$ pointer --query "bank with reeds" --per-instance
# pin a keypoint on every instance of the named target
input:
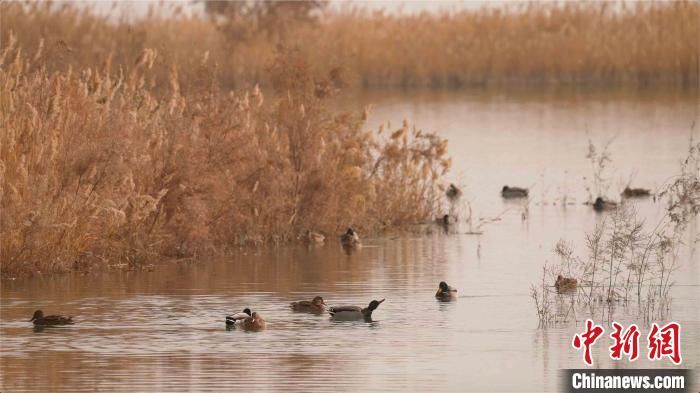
(105, 166)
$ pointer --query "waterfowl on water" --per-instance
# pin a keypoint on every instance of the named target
(601, 204)
(565, 284)
(317, 305)
(445, 291)
(453, 193)
(350, 238)
(636, 192)
(50, 320)
(313, 237)
(514, 192)
(254, 322)
(238, 318)
(447, 220)
(350, 313)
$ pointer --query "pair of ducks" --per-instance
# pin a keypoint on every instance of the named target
(246, 320)
(347, 239)
(601, 204)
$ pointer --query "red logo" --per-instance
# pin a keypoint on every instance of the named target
(665, 341)
(662, 341)
(589, 338)
(627, 343)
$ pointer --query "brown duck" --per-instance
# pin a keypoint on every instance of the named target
(317, 305)
(50, 320)
(565, 284)
(635, 192)
(254, 323)
(601, 204)
(514, 192)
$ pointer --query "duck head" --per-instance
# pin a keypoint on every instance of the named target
(350, 232)
(599, 201)
(374, 304)
(38, 314)
(443, 287)
(246, 310)
(318, 301)
(505, 188)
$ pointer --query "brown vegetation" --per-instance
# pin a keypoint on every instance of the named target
(536, 43)
(102, 164)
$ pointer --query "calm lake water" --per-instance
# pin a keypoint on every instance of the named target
(164, 330)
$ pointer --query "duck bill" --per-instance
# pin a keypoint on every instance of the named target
(439, 291)
(32, 320)
(381, 301)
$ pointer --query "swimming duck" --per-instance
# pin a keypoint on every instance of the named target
(313, 238)
(350, 238)
(445, 291)
(565, 284)
(238, 318)
(254, 322)
(448, 220)
(601, 204)
(350, 313)
(317, 305)
(514, 192)
(50, 320)
(453, 193)
(636, 192)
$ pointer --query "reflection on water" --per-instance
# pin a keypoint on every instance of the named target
(165, 330)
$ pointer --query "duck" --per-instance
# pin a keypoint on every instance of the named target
(447, 220)
(351, 313)
(317, 305)
(601, 204)
(254, 323)
(514, 192)
(565, 284)
(445, 291)
(50, 320)
(311, 237)
(453, 193)
(636, 192)
(350, 238)
(238, 318)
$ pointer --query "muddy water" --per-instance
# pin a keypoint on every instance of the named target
(164, 330)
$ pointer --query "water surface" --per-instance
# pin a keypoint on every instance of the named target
(164, 330)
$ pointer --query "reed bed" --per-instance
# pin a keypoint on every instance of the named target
(104, 166)
(539, 43)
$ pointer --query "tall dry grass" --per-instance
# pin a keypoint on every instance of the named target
(103, 165)
(640, 43)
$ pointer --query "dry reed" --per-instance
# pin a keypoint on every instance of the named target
(600, 43)
(103, 164)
